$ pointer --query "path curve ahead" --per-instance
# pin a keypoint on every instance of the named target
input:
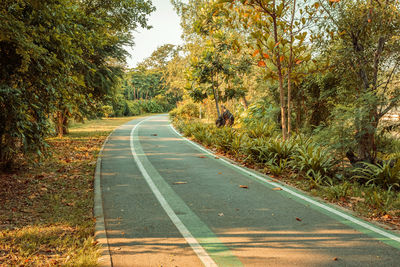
(168, 202)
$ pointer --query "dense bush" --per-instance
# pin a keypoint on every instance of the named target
(122, 107)
(185, 111)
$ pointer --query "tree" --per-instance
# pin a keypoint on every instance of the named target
(219, 68)
(278, 45)
(365, 50)
(56, 54)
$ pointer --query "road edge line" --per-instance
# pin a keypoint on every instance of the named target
(100, 234)
(190, 239)
(359, 222)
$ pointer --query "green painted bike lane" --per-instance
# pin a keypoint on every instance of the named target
(227, 225)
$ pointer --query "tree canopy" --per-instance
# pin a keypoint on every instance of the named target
(57, 56)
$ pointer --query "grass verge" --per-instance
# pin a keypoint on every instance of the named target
(46, 211)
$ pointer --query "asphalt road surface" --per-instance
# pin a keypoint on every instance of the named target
(168, 202)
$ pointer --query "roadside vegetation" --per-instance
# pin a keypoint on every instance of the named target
(314, 88)
(46, 216)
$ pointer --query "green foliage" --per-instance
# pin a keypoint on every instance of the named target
(386, 174)
(107, 110)
(186, 111)
(315, 161)
(337, 192)
(277, 167)
(58, 57)
(260, 129)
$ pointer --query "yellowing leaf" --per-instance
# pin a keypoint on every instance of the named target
(256, 53)
(261, 63)
(282, 58)
(265, 55)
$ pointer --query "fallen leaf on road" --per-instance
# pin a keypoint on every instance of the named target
(243, 186)
(220, 214)
(202, 157)
(335, 259)
(277, 189)
(180, 182)
(298, 219)
(153, 134)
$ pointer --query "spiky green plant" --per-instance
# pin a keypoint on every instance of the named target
(385, 174)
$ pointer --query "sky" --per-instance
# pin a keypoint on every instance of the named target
(166, 30)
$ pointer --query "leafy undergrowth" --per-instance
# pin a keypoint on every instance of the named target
(46, 211)
(302, 164)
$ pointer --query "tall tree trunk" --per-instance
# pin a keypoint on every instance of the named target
(60, 123)
(367, 134)
(290, 67)
(65, 124)
(280, 75)
(216, 98)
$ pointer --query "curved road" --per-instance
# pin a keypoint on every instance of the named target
(168, 202)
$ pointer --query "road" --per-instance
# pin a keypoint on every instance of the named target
(168, 202)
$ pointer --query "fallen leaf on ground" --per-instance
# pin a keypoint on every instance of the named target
(202, 157)
(216, 157)
(335, 259)
(180, 182)
(386, 217)
(277, 189)
(153, 134)
(358, 199)
(220, 214)
(298, 219)
(243, 186)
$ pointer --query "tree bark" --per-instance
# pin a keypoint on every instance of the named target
(60, 123)
(280, 75)
(216, 98)
(290, 67)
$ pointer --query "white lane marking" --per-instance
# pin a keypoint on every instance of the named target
(197, 248)
(341, 214)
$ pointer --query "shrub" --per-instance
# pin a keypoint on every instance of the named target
(315, 161)
(107, 110)
(256, 129)
(186, 111)
(225, 136)
(255, 149)
(151, 106)
(278, 149)
(385, 174)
